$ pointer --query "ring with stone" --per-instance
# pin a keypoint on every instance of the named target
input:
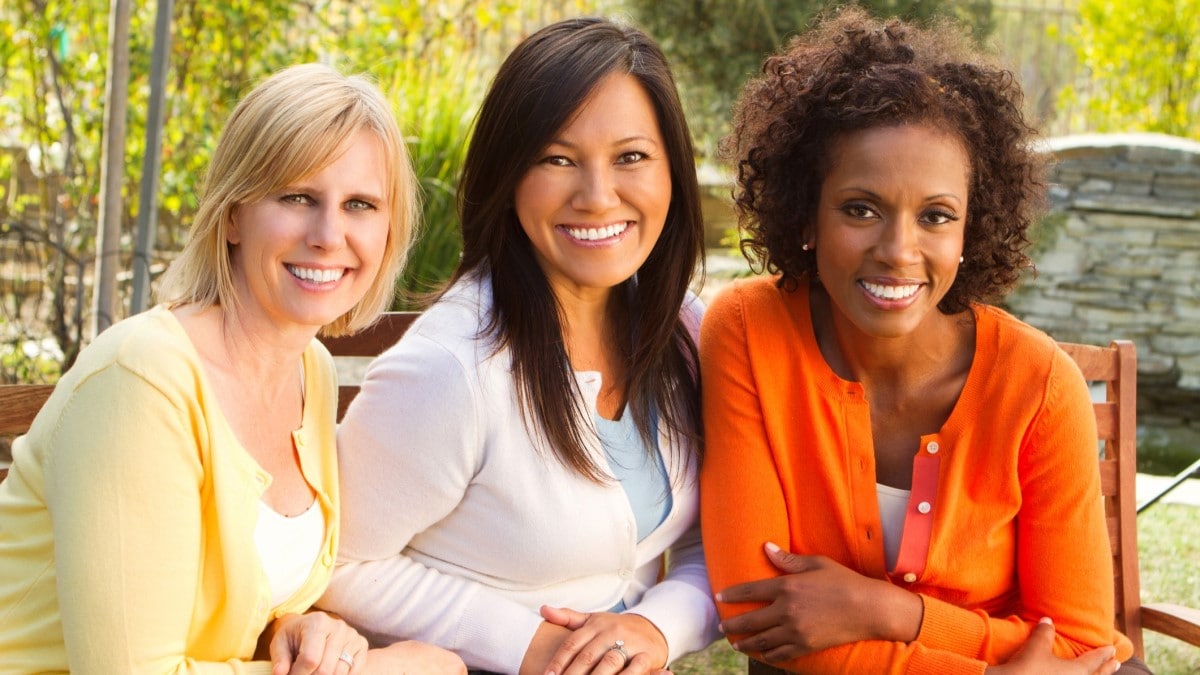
(619, 645)
(347, 657)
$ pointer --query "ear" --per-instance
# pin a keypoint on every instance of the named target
(233, 236)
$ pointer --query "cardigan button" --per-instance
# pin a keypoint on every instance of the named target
(924, 507)
(933, 447)
(909, 578)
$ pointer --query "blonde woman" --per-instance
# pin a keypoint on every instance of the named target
(177, 497)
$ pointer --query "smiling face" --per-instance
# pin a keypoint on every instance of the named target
(595, 201)
(307, 253)
(890, 226)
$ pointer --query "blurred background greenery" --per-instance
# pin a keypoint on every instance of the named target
(1087, 65)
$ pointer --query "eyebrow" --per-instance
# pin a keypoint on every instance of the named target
(621, 141)
(928, 198)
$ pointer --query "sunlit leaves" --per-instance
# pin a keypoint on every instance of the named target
(1143, 64)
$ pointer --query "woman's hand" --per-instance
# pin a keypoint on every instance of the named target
(589, 646)
(1037, 657)
(313, 643)
(413, 657)
(815, 605)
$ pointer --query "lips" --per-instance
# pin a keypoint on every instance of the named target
(315, 275)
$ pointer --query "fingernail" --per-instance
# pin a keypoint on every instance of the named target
(1046, 620)
(721, 627)
(719, 597)
(772, 547)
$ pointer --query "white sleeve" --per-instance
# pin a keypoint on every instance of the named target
(409, 446)
(681, 605)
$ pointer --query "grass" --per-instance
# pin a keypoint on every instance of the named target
(1169, 553)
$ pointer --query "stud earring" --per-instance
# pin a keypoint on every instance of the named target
(804, 247)
(960, 260)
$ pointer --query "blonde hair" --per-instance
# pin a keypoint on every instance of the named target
(288, 127)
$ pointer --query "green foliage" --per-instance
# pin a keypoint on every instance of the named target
(432, 58)
(1143, 63)
(726, 41)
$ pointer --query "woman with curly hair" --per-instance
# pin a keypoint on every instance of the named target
(898, 477)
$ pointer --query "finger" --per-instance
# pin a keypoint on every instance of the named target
(764, 641)
(280, 650)
(788, 562)
(596, 657)
(763, 590)
(564, 616)
(1099, 660)
(754, 621)
(640, 665)
(568, 653)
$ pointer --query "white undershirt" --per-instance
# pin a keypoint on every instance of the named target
(893, 503)
(288, 547)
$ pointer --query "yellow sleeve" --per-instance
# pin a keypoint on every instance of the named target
(123, 487)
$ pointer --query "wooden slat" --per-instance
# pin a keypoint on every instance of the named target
(1109, 480)
(374, 339)
(1106, 420)
(19, 404)
(1181, 623)
(371, 341)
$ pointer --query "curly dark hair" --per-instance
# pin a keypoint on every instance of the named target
(853, 72)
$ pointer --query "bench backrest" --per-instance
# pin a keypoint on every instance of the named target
(1114, 365)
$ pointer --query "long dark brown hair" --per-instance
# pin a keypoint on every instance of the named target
(536, 92)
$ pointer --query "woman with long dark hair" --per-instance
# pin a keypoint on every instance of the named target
(519, 469)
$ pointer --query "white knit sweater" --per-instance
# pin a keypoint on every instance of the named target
(456, 529)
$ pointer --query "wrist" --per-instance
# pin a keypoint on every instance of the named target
(903, 612)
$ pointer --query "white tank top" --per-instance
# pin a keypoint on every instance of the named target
(288, 547)
(893, 503)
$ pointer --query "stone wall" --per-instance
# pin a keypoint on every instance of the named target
(1121, 259)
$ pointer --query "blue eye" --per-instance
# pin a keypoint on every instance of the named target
(359, 205)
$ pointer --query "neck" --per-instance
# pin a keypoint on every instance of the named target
(901, 360)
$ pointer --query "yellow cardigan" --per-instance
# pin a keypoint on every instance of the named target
(127, 520)
(1005, 523)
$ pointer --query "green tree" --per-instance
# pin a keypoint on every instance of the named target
(715, 45)
(432, 58)
(1143, 65)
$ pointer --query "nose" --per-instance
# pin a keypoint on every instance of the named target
(596, 192)
(900, 242)
(327, 230)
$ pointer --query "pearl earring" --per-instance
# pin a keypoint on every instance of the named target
(804, 247)
(960, 260)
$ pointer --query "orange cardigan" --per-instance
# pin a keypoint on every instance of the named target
(1005, 523)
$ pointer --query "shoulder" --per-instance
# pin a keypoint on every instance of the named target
(759, 295)
(446, 343)
(1026, 357)
(150, 346)
(1013, 340)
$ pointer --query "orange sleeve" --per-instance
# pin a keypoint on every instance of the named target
(741, 502)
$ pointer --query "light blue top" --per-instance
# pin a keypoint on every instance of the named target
(639, 470)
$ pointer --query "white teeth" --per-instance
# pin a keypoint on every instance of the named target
(316, 276)
(596, 233)
(891, 292)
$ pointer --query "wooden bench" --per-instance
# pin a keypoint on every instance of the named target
(1114, 365)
